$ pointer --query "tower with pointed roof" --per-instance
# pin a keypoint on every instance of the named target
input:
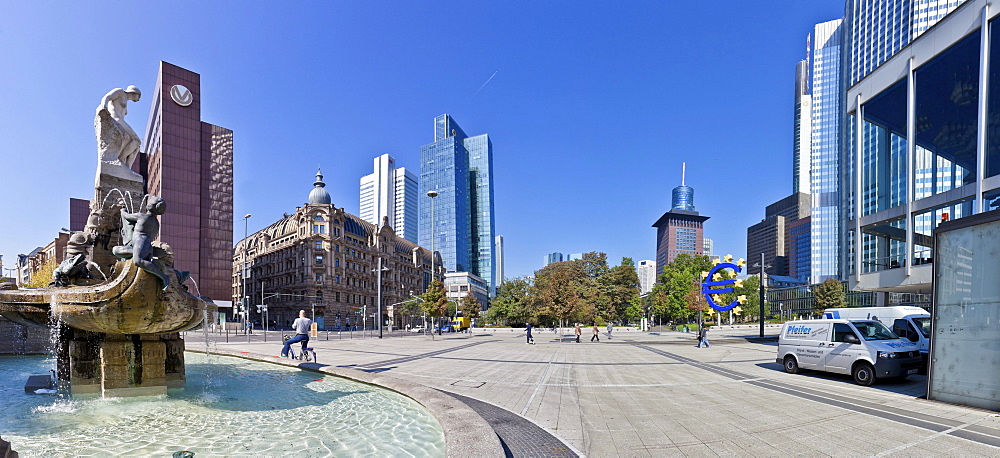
(319, 195)
(680, 229)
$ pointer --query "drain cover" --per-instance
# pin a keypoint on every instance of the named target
(468, 384)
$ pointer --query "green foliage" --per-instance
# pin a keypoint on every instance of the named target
(43, 277)
(512, 306)
(559, 292)
(435, 302)
(616, 288)
(585, 290)
(635, 309)
(694, 299)
(829, 294)
(595, 264)
(470, 306)
(669, 296)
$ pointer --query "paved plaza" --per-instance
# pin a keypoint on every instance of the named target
(654, 394)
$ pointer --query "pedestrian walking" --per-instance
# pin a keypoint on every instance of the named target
(578, 332)
(527, 332)
(597, 334)
(610, 327)
(703, 337)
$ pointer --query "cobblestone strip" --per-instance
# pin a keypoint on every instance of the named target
(519, 437)
(406, 359)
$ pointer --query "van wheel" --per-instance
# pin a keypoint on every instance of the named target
(864, 374)
(791, 365)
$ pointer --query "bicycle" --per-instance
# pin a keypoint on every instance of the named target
(307, 354)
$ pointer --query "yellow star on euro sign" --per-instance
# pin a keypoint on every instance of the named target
(716, 261)
(704, 275)
(741, 263)
(732, 274)
(717, 277)
(729, 258)
(742, 299)
(738, 310)
(738, 284)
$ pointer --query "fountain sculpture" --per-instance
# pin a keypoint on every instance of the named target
(116, 334)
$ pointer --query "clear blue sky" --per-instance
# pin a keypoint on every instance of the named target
(592, 110)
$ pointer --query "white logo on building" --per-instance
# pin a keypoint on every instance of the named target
(181, 95)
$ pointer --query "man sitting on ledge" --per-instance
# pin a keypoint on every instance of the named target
(301, 326)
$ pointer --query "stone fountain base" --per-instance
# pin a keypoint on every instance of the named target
(121, 365)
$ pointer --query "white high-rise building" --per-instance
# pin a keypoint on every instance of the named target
(391, 192)
(647, 275)
(707, 246)
(802, 130)
(499, 252)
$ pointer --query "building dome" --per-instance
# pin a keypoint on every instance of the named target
(319, 195)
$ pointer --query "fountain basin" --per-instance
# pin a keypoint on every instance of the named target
(133, 302)
(229, 406)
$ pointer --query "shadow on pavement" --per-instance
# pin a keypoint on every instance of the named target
(913, 385)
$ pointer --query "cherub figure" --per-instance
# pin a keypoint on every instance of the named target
(138, 231)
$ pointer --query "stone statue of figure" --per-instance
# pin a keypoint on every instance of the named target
(75, 265)
(138, 231)
(116, 141)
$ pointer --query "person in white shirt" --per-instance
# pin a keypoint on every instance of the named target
(302, 325)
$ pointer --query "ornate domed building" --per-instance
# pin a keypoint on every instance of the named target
(324, 260)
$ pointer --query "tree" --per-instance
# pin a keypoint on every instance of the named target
(471, 306)
(672, 286)
(695, 300)
(595, 264)
(829, 294)
(435, 302)
(513, 302)
(635, 308)
(617, 287)
(43, 276)
(559, 290)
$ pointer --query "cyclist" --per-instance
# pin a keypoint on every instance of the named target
(302, 325)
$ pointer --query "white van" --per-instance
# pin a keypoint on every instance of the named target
(911, 323)
(865, 349)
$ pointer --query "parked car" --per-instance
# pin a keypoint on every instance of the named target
(418, 329)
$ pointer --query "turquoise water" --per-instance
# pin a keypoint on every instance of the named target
(229, 406)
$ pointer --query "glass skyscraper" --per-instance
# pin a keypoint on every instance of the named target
(880, 28)
(460, 169)
(825, 152)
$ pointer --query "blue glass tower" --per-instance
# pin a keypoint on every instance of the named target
(460, 169)
(825, 178)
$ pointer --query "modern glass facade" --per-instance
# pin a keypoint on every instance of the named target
(460, 169)
(802, 129)
(825, 151)
(552, 257)
(923, 150)
(798, 249)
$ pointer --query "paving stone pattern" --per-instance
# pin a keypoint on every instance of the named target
(658, 395)
(520, 437)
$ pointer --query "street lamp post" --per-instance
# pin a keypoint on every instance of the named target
(763, 294)
(432, 194)
(245, 300)
(380, 269)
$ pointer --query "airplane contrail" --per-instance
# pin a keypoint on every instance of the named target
(487, 82)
